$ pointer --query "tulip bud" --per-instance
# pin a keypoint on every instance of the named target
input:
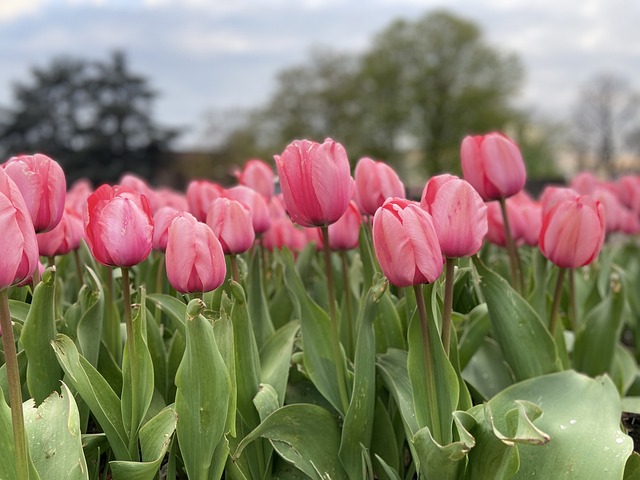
(195, 260)
(283, 233)
(255, 203)
(118, 226)
(258, 176)
(343, 235)
(200, 195)
(406, 243)
(530, 218)
(374, 183)
(78, 194)
(459, 215)
(65, 237)
(495, 222)
(43, 186)
(573, 232)
(315, 180)
(493, 165)
(231, 223)
(161, 221)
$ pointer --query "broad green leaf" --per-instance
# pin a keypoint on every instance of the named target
(89, 329)
(223, 333)
(53, 432)
(96, 392)
(22, 368)
(388, 326)
(266, 401)
(487, 371)
(358, 422)
(43, 372)
(202, 396)
(155, 437)
(158, 352)
(392, 367)
(19, 310)
(305, 435)
(7, 446)
(477, 328)
(624, 369)
(275, 358)
(632, 467)
(173, 308)
(384, 444)
(257, 301)
(525, 342)
(137, 377)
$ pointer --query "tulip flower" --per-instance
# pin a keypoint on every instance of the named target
(495, 222)
(315, 180)
(200, 195)
(78, 194)
(374, 183)
(584, 183)
(284, 233)
(161, 221)
(255, 203)
(118, 226)
(42, 183)
(493, 165)
(459, 215)
(406, 243)
(139, 185)
(65, 237)
(195, 260)
(231, 223)
(343, 234)
(530, 218)
(171, 198)
(259, 176)
(551, 195)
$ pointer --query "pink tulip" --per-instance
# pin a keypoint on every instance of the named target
(231, 223)
(118, 226)
(65, 237)
(628, 190)
(313, 236)
(170, 198)
(584, 183)
(374, 183)
(343, 235)
(78, 194)
(43, 186)
(552, 195)
(200, 195)
(255, 203)
(277, 208)
(283, 233)
(315, 180)
(19, 257)
(573, 232)
(259, 176)
(406, 243)
(161, 221)
(459, 215)
(530, 216)
(195, 260)
(142, 187)
(495, 222)
(493, 165)
(613, 208)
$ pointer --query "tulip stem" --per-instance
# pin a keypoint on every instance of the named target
(15, 388)
(131, 353)
(235, 274)
(448, 303)
(335, 338)
(572, 301)
(76, 256)
(514, 259)
(553, 319)
(347, 303)
(36, 276)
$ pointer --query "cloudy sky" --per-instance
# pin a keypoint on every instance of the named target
(216, 54)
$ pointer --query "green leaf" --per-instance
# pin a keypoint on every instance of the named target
(202, 396)
(525, 342)
(624, 369)
(257, 301)
(53, 432)
(479, 326)
(19, 310)
(89, 329)
(305, 435)
(173, 308)
(223, 333)
(487, 371)
(384, 444)
(392, 367)
(275, 358)
(155, 437)
(632, 467)
(43, 372)
(96, 392)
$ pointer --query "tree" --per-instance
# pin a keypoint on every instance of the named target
(94, 118)
(603, 120)
(414, 94)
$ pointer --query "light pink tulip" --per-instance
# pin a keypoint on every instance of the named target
(315, 180)
(493, 165)
(78, 194)
(530, 217)
(255, 203)
(142, 187)
(65, 237)
(343, 234)
(551, 195)
(162, 219)
(283, 233)
(200, 195)
(118, 226)
(584, 183)
(406, 243)
(171, 198)
(259, 176)
(573, 232)
(195, 260)
(495, 222)
(43, 186)
(459, 215)
(231, 223)
(374, 183)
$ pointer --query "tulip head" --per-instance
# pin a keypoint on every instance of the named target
(255, 203)
(162, 219)
(200, 195)
(259, 176)
(231, 223)
(65, 237)
(406, 243)
(343, 235)
(493, 165)
(374, 183)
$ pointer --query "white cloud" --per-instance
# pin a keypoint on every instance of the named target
(13, 9)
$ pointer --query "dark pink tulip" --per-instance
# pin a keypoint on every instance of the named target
(195, 260)
(161, 221)
(255, 203)
(259, 176)
(200, 195)
(43, 186)
(65, 237)
(495, 222)
(493, 165)
(573, 232)
(459, 215)
(118, 226)
(343, 235)
(283, 233)
(374, 183)
(315, 180)
(19, 257)
(231, 223)
(406, 243)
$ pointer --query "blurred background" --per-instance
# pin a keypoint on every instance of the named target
(173, 90)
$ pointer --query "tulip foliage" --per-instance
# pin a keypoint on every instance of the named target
(336, 330)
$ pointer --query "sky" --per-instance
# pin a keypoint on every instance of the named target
(206, 55)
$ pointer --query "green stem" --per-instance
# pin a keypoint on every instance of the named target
(76, 255)
(35, 278)
(235, 274)
(113, 337)
(335, 338)
(514, 260)
(131, 351)
(349, 327)
(553, 318)
(448, 303)
(15, 388)
(160, 276)
(572, 302)
(427, 358)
